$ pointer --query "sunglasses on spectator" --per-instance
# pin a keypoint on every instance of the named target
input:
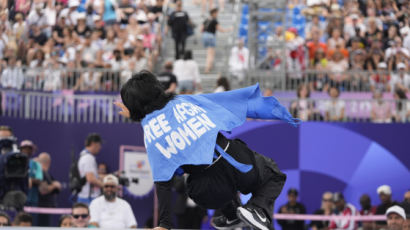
(83, 216)
(327, 200)
(4, 224)
(109, 186)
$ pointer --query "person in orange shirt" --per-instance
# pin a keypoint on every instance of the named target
(315, 44)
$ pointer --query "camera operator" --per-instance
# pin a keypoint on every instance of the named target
(13, 171)
(7, 140)
(49, 188)
(28, 148)
(87, 166)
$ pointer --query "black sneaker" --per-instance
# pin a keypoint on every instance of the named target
(222, 223)
(254, 217)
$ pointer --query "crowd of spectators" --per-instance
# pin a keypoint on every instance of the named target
(360, 36)
(335, 204)
(333, 108)
(42, 42)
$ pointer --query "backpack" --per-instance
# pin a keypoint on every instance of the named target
(76, 182)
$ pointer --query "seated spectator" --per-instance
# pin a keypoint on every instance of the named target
(4, 219)
(359, 80)
(270, 61)
(65, 221)
(401, 79)
(396, 218)
(354, 26)
(48, 188)
(406, 202)
(342, 209)
(239, 60)
(302, 108)
(110, 211)
(167, 78)
(335, 108)
(12, 76)
(292, 207)
(81, 215)
(320, 80)
(315, 23)
(367, 209)
(374, 57)
(381, 80)
(380, 109)
(401, 112)
(335, 40)
(325, 209)
(222, 85)
(295, 54)
(396, 47)
(315, 44)
(23, 219)
(338, 65)
(384, 192)
(102, 170)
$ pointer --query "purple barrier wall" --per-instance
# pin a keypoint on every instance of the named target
(353, 158)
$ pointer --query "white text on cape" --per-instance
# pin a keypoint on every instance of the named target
(191, 123)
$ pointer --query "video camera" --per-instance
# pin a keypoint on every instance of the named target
(14, 168)
(124, 180)
(8, 144)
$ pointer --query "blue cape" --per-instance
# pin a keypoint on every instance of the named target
(184, 131)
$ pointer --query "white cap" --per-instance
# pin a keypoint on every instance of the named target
(110, 179)
(382, 65)
(73, 3)
(396, 209)
(141, 17)
(81, 16)
(401, 65)
(384, 189)
(96, 17)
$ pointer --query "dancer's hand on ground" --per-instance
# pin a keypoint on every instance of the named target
(159, 228)
(124, 111)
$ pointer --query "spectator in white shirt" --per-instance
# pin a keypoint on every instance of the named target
(12, 76)
(110, 211)
(70, 13)
(38, 17)
(401, 79)
(239, 60)
(335, 108)
(187, 72)
(87, 165)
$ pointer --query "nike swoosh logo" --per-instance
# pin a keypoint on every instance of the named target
(230, 221)
(263, 219)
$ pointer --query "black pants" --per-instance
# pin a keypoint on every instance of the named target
(217, 186)
(179, 45)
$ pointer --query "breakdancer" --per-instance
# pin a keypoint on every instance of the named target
(182, 134)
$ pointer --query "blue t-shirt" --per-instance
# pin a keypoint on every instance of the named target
(184, 132)
(35, 172)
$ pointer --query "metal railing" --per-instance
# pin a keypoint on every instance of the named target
(52, 79)
(68, 107)
(108, 80)
(349, 110)
(320, 80)
(60, 107)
